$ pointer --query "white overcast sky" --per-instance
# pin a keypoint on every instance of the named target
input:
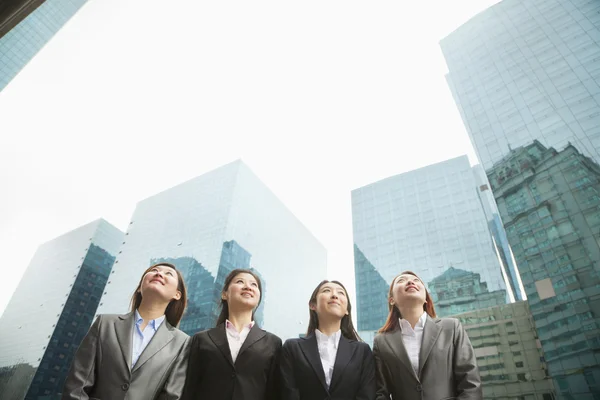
(132, 97)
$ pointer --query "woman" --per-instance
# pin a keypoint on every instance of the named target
(236, 360)
(139, 355)
(420, 356)
(331, 362)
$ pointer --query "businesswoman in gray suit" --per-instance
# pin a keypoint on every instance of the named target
(419, 356)
(139, 355)
(236, 360)
(331, 362)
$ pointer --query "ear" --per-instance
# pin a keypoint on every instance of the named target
(312, 306)
(177, 295)
(224, 296)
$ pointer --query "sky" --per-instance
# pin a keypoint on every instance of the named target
(131, 98)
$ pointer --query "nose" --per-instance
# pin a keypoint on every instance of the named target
(334, 296)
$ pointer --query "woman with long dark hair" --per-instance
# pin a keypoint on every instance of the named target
(140, 355)
(236, 360)
(419, 356)
(331, 362)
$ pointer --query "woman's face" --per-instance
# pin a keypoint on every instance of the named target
(408, 290)
(243, 292)
(331, 301)
(161, 281)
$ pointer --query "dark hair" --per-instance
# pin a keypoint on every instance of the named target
(224, 314)
(346, 326)
(393, 320)
(175, 308)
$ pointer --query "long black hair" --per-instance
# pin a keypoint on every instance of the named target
(224, 314)
(346, 326)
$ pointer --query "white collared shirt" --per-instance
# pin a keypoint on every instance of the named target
(328, 346)
(412, 339)
(236, 339)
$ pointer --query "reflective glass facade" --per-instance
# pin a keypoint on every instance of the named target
(208, 226)
(430, 221)
(52, 310)
(550, 204)
(528, 70)
(509, 355)
(526, 80)
(23, 41)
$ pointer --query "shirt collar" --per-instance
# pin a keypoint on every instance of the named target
(323, 338)
(231, 327)
(420, 323)
(155, 323)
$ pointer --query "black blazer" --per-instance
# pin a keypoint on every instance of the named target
(303, 377)
(212, 375)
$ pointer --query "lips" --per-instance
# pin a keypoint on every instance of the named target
(334, 302)
(411, 287)
(247, 294)
(157, 280)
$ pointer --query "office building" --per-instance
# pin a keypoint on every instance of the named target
(210, 225)
(52, 310)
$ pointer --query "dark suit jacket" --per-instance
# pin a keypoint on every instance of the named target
(303, 377)
(447, 368)
(102, 365)
(212, 375)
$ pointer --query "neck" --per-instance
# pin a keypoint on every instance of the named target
(150, 310)
(329, 326)
(412, 314)
(240, 319)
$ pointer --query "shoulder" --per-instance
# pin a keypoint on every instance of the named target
(272, 338)
(202, 335)
(178, 334)
(111, 318)
(361, 346)
(292, 343)
(448, 323)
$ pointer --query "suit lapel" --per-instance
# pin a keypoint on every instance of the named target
(394, 340)
(219, 338)
(124, 332)
(311, 352)
(254, 336)
(344, 354)
(431, 332)
(160, 339)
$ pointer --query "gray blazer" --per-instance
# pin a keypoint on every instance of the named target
(102, 365)
(447, 367)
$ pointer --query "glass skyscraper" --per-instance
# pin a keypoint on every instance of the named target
(526, 79)
(550, 204)
(210, 225)
(20, 44)
(430, 221)
(528, 70)
(509, 355)
(52, 310)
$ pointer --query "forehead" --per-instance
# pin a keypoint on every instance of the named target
(333, 286)
(161, 268)
(245, 276)
(407, 276)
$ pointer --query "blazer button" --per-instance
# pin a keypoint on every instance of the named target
(125, 386)
(419, 388)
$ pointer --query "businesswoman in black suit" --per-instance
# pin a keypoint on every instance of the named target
(331, 362)
(139, 355)
(236, 360)
(419, 356)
